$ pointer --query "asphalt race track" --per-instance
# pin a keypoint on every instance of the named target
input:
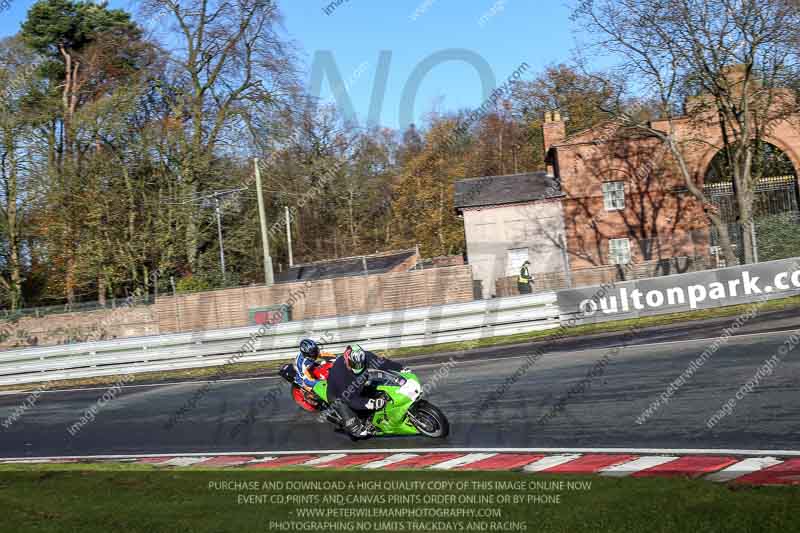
(602, 389)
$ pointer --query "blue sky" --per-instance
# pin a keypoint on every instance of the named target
(504, 33)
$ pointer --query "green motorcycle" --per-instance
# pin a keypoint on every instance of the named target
(405, 412)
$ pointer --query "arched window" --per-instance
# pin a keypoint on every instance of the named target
(768, 161)
(775, 204)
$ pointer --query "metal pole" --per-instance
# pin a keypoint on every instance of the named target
(269, 278)
(289, 236)
(219, 235)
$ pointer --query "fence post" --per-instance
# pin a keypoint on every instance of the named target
(177, 307)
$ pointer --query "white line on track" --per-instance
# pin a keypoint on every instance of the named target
(488, 359)
(184, 461)
(31, 461)
(146, 385)
(551, 462)
(637, 451)
(463, 460)
(260, 459)
(392, 459)
(325, 459)
(135, 386)
(742, 468)
(636, 465)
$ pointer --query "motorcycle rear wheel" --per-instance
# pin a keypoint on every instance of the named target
(429, 420)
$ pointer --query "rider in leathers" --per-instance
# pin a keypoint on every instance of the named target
(346, 382)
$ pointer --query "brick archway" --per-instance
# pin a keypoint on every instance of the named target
(776, 195)
(787, 142)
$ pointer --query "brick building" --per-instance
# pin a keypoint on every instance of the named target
(623, 204)
(623, 200)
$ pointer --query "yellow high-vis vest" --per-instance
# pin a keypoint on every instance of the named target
(524, 275)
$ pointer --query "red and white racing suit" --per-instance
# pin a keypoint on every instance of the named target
(308, 373)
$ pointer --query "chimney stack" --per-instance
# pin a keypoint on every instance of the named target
(554, 131)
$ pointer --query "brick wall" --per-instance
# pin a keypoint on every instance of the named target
(544, 282)
(554, 129)
(586, 277)
(658, 209)
(323, 298)
(231, 307)
(79, 327)
(658, 220)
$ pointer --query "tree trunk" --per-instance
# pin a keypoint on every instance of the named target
(15, 287)
(192, 230)
(724, 240)
(353, 242)
(744, 197)
(131, 228)
(442, 243)
(70, 280)
(697, 192)
(101, 290)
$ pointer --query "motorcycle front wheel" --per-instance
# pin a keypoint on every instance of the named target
(429, 420)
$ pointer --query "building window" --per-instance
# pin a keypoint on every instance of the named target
(614, 195)
(619, 251)
(514, 260)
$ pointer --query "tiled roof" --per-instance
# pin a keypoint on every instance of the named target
(511, 189)
(349, 266)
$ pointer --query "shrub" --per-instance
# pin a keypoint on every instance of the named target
(778, 236)
(192, 284)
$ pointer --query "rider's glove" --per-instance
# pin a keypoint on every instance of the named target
(362, 431)
(405, 370)
(376, 404)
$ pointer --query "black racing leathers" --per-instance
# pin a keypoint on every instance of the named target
(345, 389)
(342, 383)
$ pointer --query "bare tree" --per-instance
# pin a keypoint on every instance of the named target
(229, 59)
(722, 64)
(17, 67)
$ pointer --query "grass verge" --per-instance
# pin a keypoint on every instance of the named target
(264, 368)
(131, 499)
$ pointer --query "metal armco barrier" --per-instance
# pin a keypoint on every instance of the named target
(379, 331)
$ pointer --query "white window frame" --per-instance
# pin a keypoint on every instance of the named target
(513, 267)
(619, 251)
(614, 195)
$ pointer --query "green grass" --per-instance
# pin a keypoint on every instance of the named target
(245, 369)
(138, 499)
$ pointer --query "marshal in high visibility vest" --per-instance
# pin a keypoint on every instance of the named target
(525, 279)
